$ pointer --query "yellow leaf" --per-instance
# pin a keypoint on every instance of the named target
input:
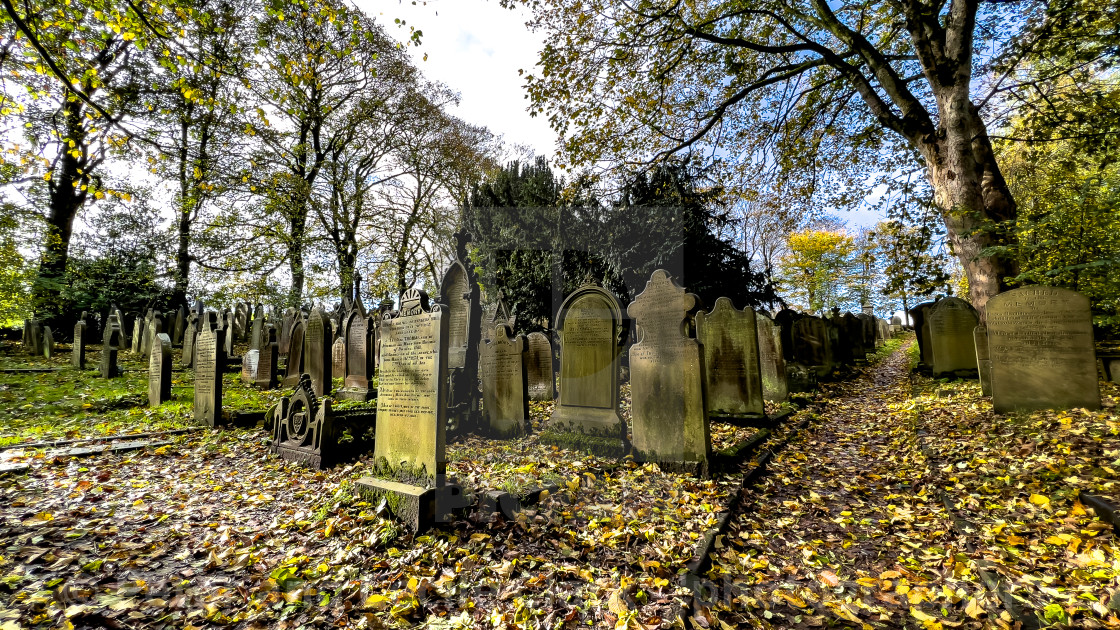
(973, 609)
(793, 600)
(1039, 499)
(616, 604)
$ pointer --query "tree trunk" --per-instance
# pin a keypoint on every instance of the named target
(182, 255)
(295, 261)
(973, 199)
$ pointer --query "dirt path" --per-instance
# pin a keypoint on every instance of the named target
(846, 529)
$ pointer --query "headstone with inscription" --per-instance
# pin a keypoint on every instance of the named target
(1040, 340)
(338, 358)
(210, 360)
(667, 372)
(983, 359)
(295, 353)
(231, 332)
(538, 367)
(731, 361)
(953, 349)
(250, 361)
(592, 330)
(78, 348)
(268, 358)
(459, 292)
(137, 334)
(358, 384)
(318, 349)
(159, 371)
(771, 361)
(109, 348)
(505, 400)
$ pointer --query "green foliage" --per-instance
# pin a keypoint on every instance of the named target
(16, 273)
(817, 268)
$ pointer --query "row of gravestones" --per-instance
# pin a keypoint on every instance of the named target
(1034, 351)
(814, 347)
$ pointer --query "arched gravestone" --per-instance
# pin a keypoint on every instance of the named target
(268, 358)
(358, 384)
(210, 359)
(138, 328)
(667, 376)
(1041, 344)
(538, 367)
(295, 353)
(771, 360)
(505, 402)
(109, 348)
(592, 330)
(459, 292)
(731, 362)
(953, 349)
(159, 371)
(338, 358)
(919, 316)
(318, 349)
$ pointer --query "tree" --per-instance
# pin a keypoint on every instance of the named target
(817, 268)
(812, 86)
(911, 270)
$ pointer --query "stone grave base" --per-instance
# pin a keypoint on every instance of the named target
(418, 507)
(969, 373)
(601, 446)
(700, 469)
(359, 394)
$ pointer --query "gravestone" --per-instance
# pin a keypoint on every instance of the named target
(159, 371)
(812, 346)
(256, 327)
(268, 358)
(154, 327)
(33, 335)
(295, 354)
(1040, 340)
(123, 345)
(459, 292)
(189, 338)
(109, 349)
(538, 367)
(231, 332)
(210, 360)
(505, 400)
(951, 324)
(498, 315)
(179, 326)
(983, 359)
(409, 448)
(338, 358)
(318, 349)
(358, 384)
(919, 315)
(772, 363)
(285, 331)
(592, 330)
(250, 361)
(137, 334)
(729, 338)
(48, 342)
(667, 372)
(78, 348)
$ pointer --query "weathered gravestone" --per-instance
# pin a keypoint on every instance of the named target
(256, 327)
(179, 326)
(250, 361)
(538, 367)
(920, 316)
(318, 349)
(137, 334)
(409, 448)
(295, 353)
(772, 363)
(498, 315)
(231, 333)
(210, 360)
(731, 363)
(109, 348)
(460, 294)
(285, 332)
(159, 371)
(268, 358)
(33, 334)
(592, 330)
(670, 418)
(48, 342)
(951, 324)
(153, 328)
(338, 358)
(78, 348)
(189, 338)
(983, 359)
(1041, 344)
(359, 343)
(505, 400)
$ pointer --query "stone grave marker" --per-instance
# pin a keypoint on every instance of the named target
(338, 358)
(983, 359)
(670, 418)
(919, 315)
(256, 327)
(285, 331)
(231, 332)
(189, 338)
(48, 342)
(772, 363)
(33, 333)
(505, 400)
(137, 334)
(498, 315)
(295, 354)
(159, 371)
(179, 326)
(951, 324)
(538, 367)
(210, 360)
(318, 349)
(732, 370)
(250, 361)
(358, 384)
(1040, 340)
(78, 348)
(459, 292)
(109, 349)
(268, 358)
(154, 327)
(592, 330)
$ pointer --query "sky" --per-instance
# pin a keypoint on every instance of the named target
(476, 47)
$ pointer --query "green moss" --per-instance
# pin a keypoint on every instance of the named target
(582, 442)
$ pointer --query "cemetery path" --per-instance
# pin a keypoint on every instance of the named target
(847, 528)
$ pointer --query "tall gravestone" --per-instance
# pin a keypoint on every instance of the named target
(268, 358)
(285, 332)
(667, 375)
(459, 292)
(109, 348)
(295, 353)
(592, 330)
(78, 348)
(210, 360)
(411, 409)
(538, 367)
(953, 349)
(256, 327)
(48, 342)
(231, 332)
(159, 371)
(505, 400)
(771, 360)
(1040, 340)
(919, 315)
(338, 358)
(983, 359)
(189, 338)
(179, 326)
(731, 361)
(318, 349)
(358, 384)
(33, 330)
